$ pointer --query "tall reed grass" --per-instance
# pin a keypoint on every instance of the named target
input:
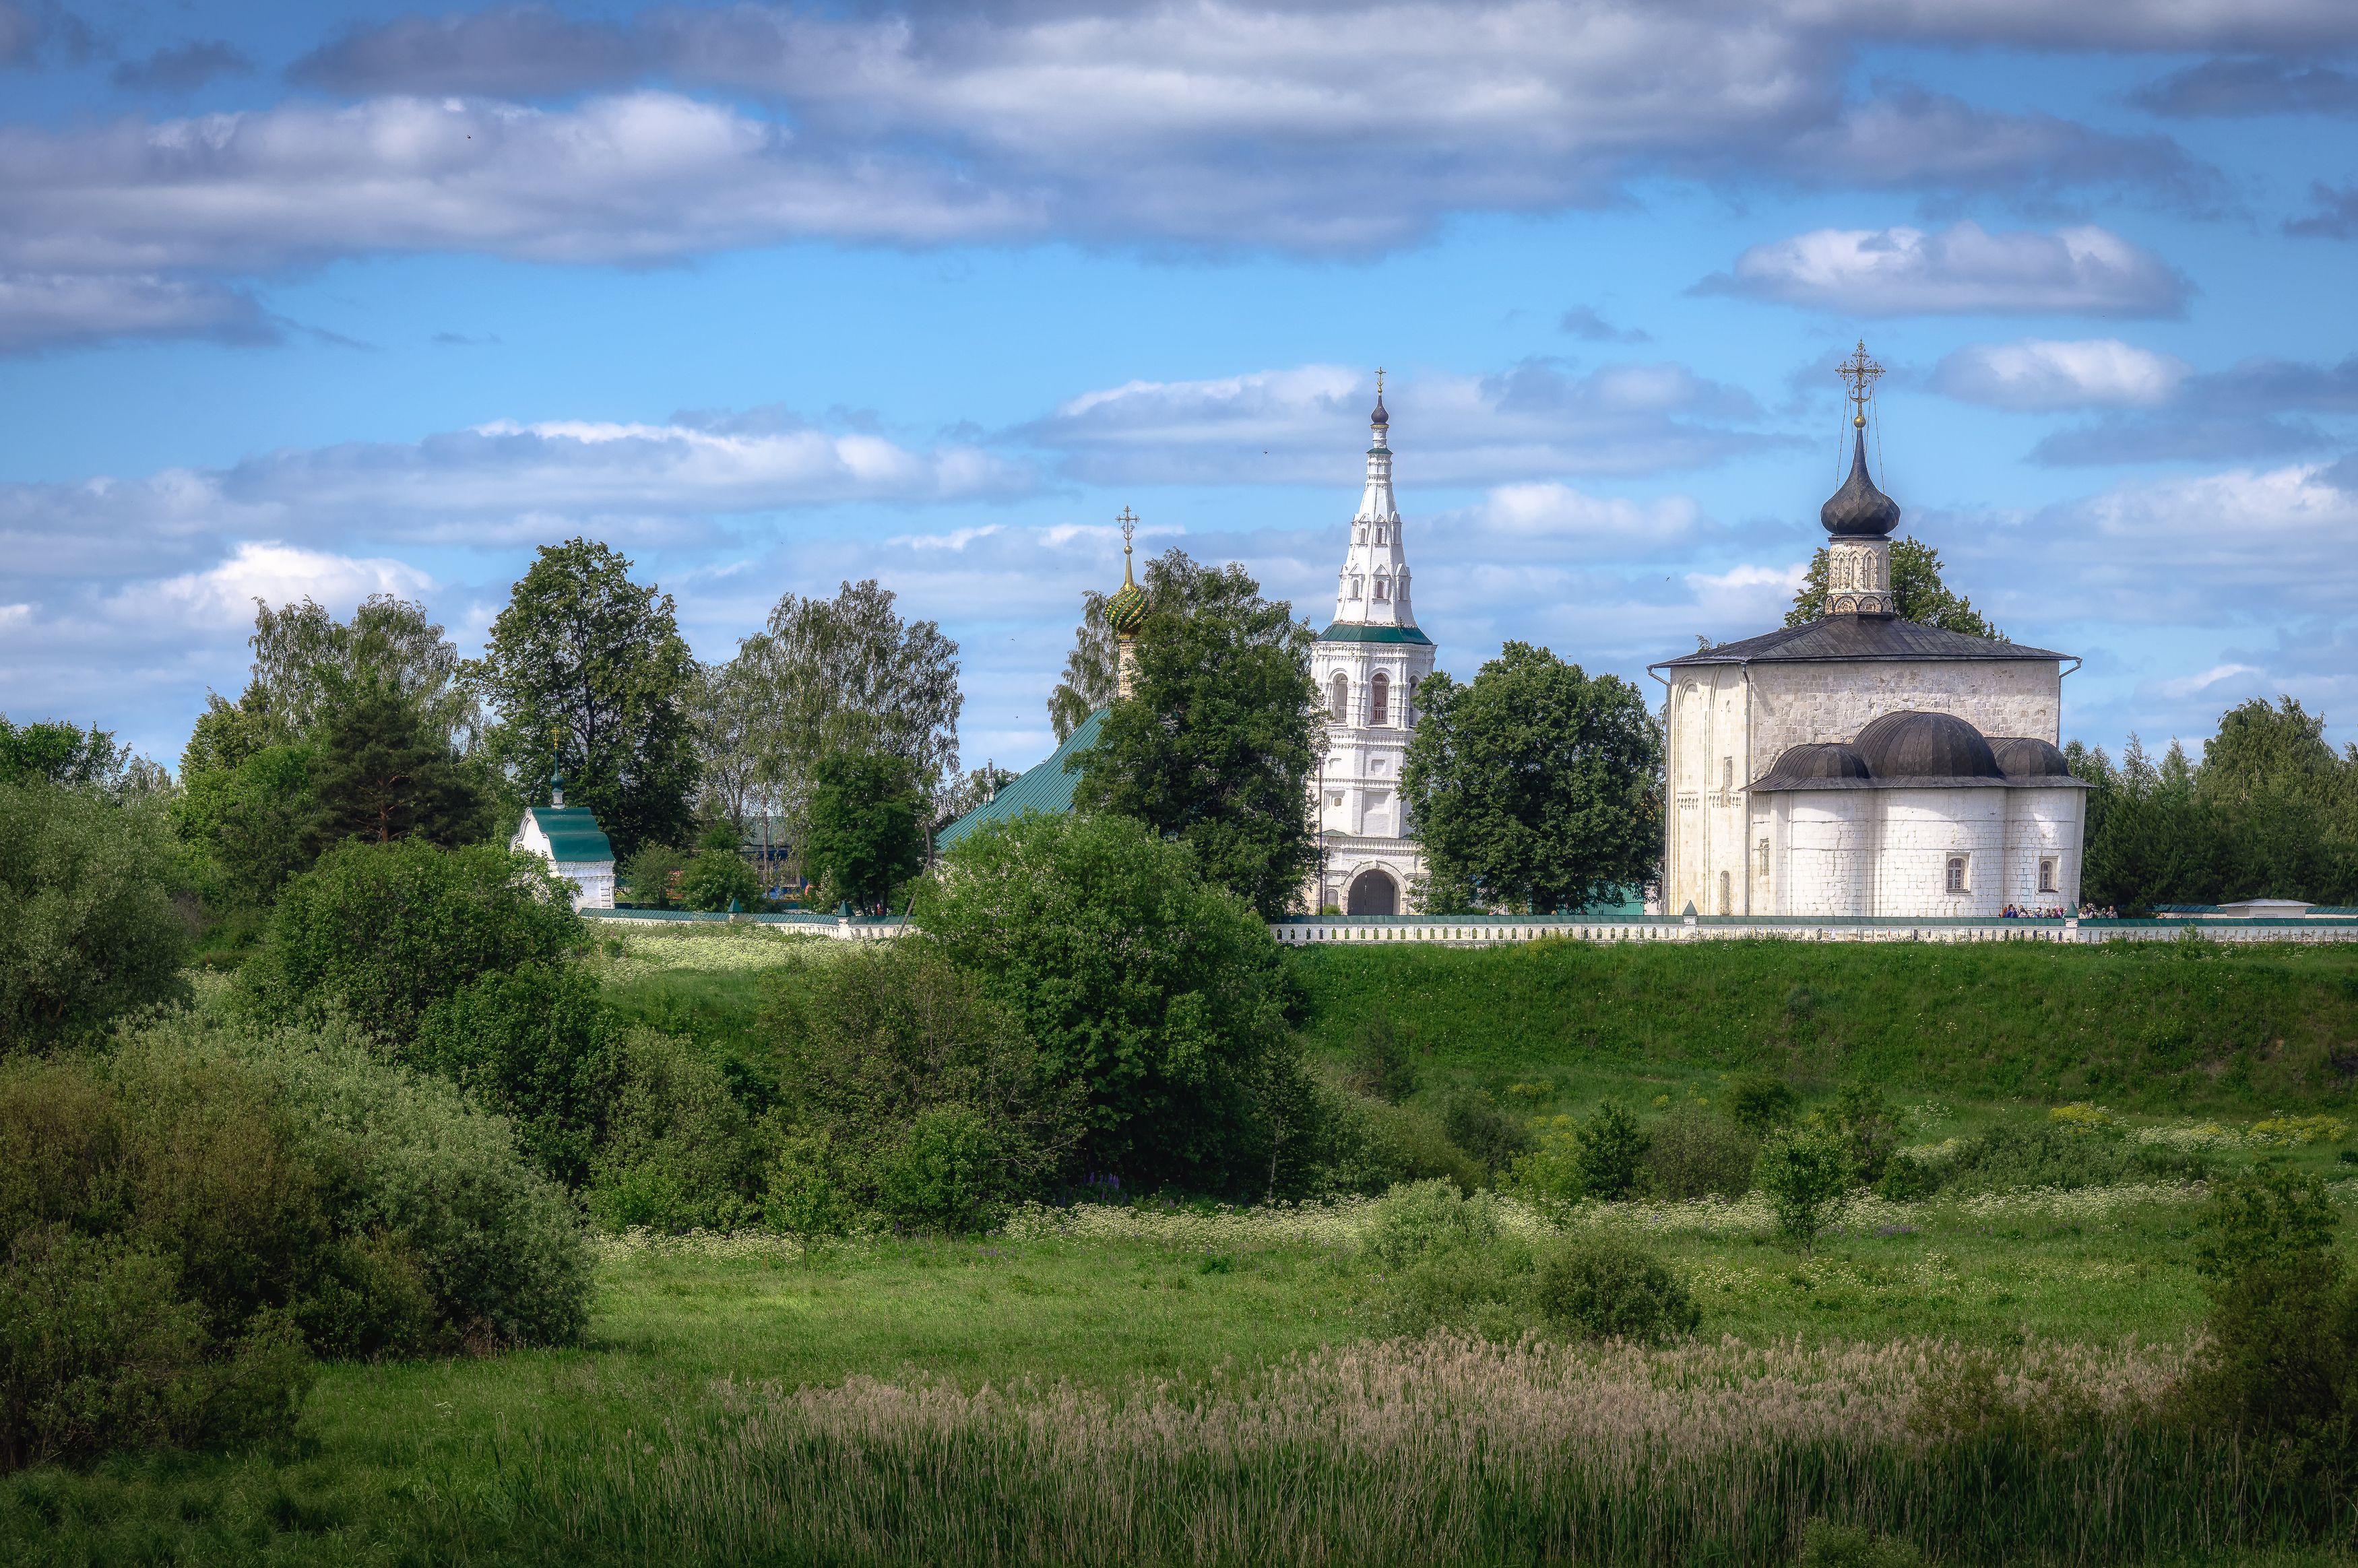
(1440, 1450)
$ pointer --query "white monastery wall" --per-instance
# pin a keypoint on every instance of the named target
(1800, 702)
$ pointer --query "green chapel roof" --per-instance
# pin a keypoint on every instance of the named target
(1047, 787)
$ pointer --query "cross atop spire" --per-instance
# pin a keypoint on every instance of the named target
(1858, 373)
(1380, 419)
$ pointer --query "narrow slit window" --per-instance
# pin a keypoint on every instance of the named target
(1340, 709)
(1380, 692)
(1726, 893)
(1764, 858)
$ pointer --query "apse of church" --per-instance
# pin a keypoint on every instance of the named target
(1862, 764)
(1368, 664)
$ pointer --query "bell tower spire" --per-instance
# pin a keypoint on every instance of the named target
(1373, 589)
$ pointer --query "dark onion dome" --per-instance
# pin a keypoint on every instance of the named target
(1918, 745)
(1858, 509)
(1125, 611)
(1823, 759)
(2022, 757)
(1379, 416)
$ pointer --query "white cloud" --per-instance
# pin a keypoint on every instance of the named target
(1300, 425)
(2039, 374)
(2194, 685)
(1960, 270)
(222, 597)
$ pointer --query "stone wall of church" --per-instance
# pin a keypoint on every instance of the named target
(1886, 852)
(1798, 703)
(1727, 723)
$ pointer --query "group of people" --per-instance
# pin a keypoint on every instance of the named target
(2087, 912)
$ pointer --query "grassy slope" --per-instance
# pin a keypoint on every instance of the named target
(2158, 1027)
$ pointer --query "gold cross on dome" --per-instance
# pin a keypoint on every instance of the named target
(1129, 521)
(1379, 383)
(1858, 373)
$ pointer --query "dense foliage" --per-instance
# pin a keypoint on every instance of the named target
(1217, 741)
(866, 836)
(88, 929)
(590, 677)
(2271, 811)
(1535, 788)
(382, 932)
(1160, 996)
(185, 1223)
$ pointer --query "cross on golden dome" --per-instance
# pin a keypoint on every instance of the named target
(1858, 373)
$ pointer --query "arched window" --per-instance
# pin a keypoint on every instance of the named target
(1379, 533)
(1726, 895)
(1408, 704)
(1380, 691)
(1340, 706)
(1355, 586)
(1383, 587)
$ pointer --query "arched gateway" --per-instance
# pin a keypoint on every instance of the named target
(1374, 892)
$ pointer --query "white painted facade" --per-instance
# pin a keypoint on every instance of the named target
(1368, 664)
(1739, 842)
(594, 880)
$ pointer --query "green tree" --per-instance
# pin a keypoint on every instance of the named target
(1805, 1171)
(1535, 787)
(847, 674)
(382, 932)
(1216, 745)
(384, 772)
(1090, 678)
(88, 928)
(80, 759)
(536, 1043)
(865, 838)
(1156, 993)
(719, 879)
(587, 670)
(1917, 588)
(249, 823)
(306, 663)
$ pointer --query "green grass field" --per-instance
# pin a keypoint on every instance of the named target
(1200, 1386)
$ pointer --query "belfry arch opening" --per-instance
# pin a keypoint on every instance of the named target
(1373, 892)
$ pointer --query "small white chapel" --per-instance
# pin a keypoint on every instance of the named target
(1862, 764)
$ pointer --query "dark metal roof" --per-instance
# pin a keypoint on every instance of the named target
(573, 835)
(1047, 787)
(1858, 509)
(1822, 759)
(1911, 744)
(2024, 757)
(1857, 637)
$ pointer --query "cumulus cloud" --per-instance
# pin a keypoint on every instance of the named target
(2045, 374)
(222, 597)
(2218, 87)
(1960, 270)
(2237, 413)
(183, 69)
(506, 52)
(1303, 424)
(55, 309)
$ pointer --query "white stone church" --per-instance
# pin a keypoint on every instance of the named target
(1368, 663)
(1865, 765)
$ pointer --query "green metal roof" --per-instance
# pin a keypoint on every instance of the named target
(573, 833)
(1047, 787)
(1344, 632)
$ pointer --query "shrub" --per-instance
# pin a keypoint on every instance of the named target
(496, 1245)
(1418, 1217)
(1869, 1130)
(100, 1352)
(1476, 1124)
(1761, 1104)
(1360, 1145)
(382, 932)
(1160, 998)
(938, 1111)
(680, 1152)
(1694, 1154)
(1607, 1288)
(2008, 1158)
(1910, 1177)
(1382, 1061)
(2281, 1358)
(1601, 1157)
(717, 879)
(88, 930)
(651, 875)
(1804, 1171)
(535, 1044)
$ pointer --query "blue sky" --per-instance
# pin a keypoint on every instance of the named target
(333, 299)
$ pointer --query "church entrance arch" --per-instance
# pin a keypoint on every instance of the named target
(1373, 892)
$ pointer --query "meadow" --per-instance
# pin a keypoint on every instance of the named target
(1150, 1382)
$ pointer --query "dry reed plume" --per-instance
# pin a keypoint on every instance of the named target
(1440, 1450)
